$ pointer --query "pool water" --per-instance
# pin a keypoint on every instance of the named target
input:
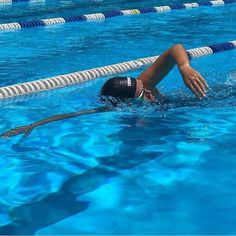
(142, 169)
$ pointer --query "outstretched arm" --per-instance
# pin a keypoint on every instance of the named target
(28, 128)
(176, 55)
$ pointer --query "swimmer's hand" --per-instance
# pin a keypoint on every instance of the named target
(194, 81)
(26, 130)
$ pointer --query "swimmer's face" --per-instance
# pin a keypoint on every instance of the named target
(143, 93)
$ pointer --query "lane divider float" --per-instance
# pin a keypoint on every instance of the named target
(86, 75)
(105, 15)
(14, 1)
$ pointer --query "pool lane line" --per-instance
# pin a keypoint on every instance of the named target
(105, 15)
(8, 2)
(91, 74)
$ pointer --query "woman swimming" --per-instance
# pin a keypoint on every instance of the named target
(144, 87)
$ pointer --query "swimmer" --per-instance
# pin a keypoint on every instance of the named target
(144, 87)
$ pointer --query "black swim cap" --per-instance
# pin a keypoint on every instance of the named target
(120, 87)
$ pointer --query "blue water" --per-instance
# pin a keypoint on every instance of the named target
(166, 169)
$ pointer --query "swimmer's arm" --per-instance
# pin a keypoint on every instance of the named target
(26, 130)
(176, 55)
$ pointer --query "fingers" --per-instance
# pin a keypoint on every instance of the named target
(194, 81)
(197, 87)
(194, 91)
(16, 131)
(201, 87)
(199, 84)
(6, 135)
(203, 81)
(9, 133)
(200, 91)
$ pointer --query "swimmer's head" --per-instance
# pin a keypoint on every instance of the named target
(119, 87)
(123, 88)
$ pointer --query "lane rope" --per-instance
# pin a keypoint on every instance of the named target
(86, 75)
(105, 15)
(8, 2)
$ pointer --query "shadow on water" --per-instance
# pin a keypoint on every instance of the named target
(29, 218)
(54, 207)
